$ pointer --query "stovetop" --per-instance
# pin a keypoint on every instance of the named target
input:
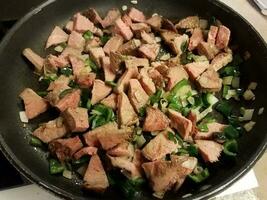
(9, 176)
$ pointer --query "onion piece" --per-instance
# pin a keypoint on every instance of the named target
(124, 7)
(249, 126)
(252, 86)
(261, 111)
(67, 174)
(23, 117)
(59, 48)
(227, 80)
(236, 82)
(247, 114)
(249, 95)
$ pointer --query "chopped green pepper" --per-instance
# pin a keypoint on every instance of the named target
(230, 132)
(42, 93)
(200, 177)
(104, 39)
(230, 148)
(224, 108)
(111, 84)
(36, 142)
(55, 167)
(81, 161)
(67, 71)
(142, 111)
(172, 137)
(88, 35)
(92, 65)
(184, 46)
(65, 92)
(155, 98)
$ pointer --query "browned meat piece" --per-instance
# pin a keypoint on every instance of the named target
(221, 60)
(95, 177)
(147, 82)
(59, 84)
(175, 75)
(34, 58)
(76, 40)
(193, 118)
(127, 20)
(155, 120)
(212, 34)
(157, 78)
(33, 103)
(85, 151)
(168, 36)
(76, 118)
(168, 25)
(133, 62)
(210, 81)
(51, 130)
(137, 28)
(113, 44)
(195, 69)
(136, 15)
(86, 80)
(159, 147)
(130, 47)
(111, 138)
(71, 51)
(163, 69)
(149, 51)
(94, 42)
(137, 95)
(111, 17)
(122, 29)
(207, 49)
(69, 26)
(109, 74)
(148, 38)
(188, 22)
(210, 150)
(82, 24)
(116, 60)
(138, 159)
(164, 175)
(126, 113)
(110, 101)
(213, 127)
(181, 124)
(123, 82)
(70, 100)
(177, 44)
(56, 37)
(223, 37)
(124, 149)
(129, 169)
(77, 64)
(97, 53)
(93, 16)
(155, 22)
(195, 39)
(57, 61)
(65, 148)
(100, 91)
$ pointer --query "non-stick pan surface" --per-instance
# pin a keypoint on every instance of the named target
(16, 74)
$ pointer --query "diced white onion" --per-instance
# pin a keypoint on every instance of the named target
(236, 82)
(159, 195)
(249, 126)
(230, 94)
(166, 56)
(84, 56)
(67, 174)
(186, 195)
(247, 114)
(59, 48)
(261, 111)
(252, 86)
(227, 80)
(134, 2)
(124, 7)
(23, 117)
(154, 14)
(158, 39)
(249, 95)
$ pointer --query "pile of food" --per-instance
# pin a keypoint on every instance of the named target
(137, 98)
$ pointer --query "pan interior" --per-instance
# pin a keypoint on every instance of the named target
(16, 74)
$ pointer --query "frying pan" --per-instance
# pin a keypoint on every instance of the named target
(16, 74)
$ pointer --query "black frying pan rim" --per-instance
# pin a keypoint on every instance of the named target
(212, 191)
